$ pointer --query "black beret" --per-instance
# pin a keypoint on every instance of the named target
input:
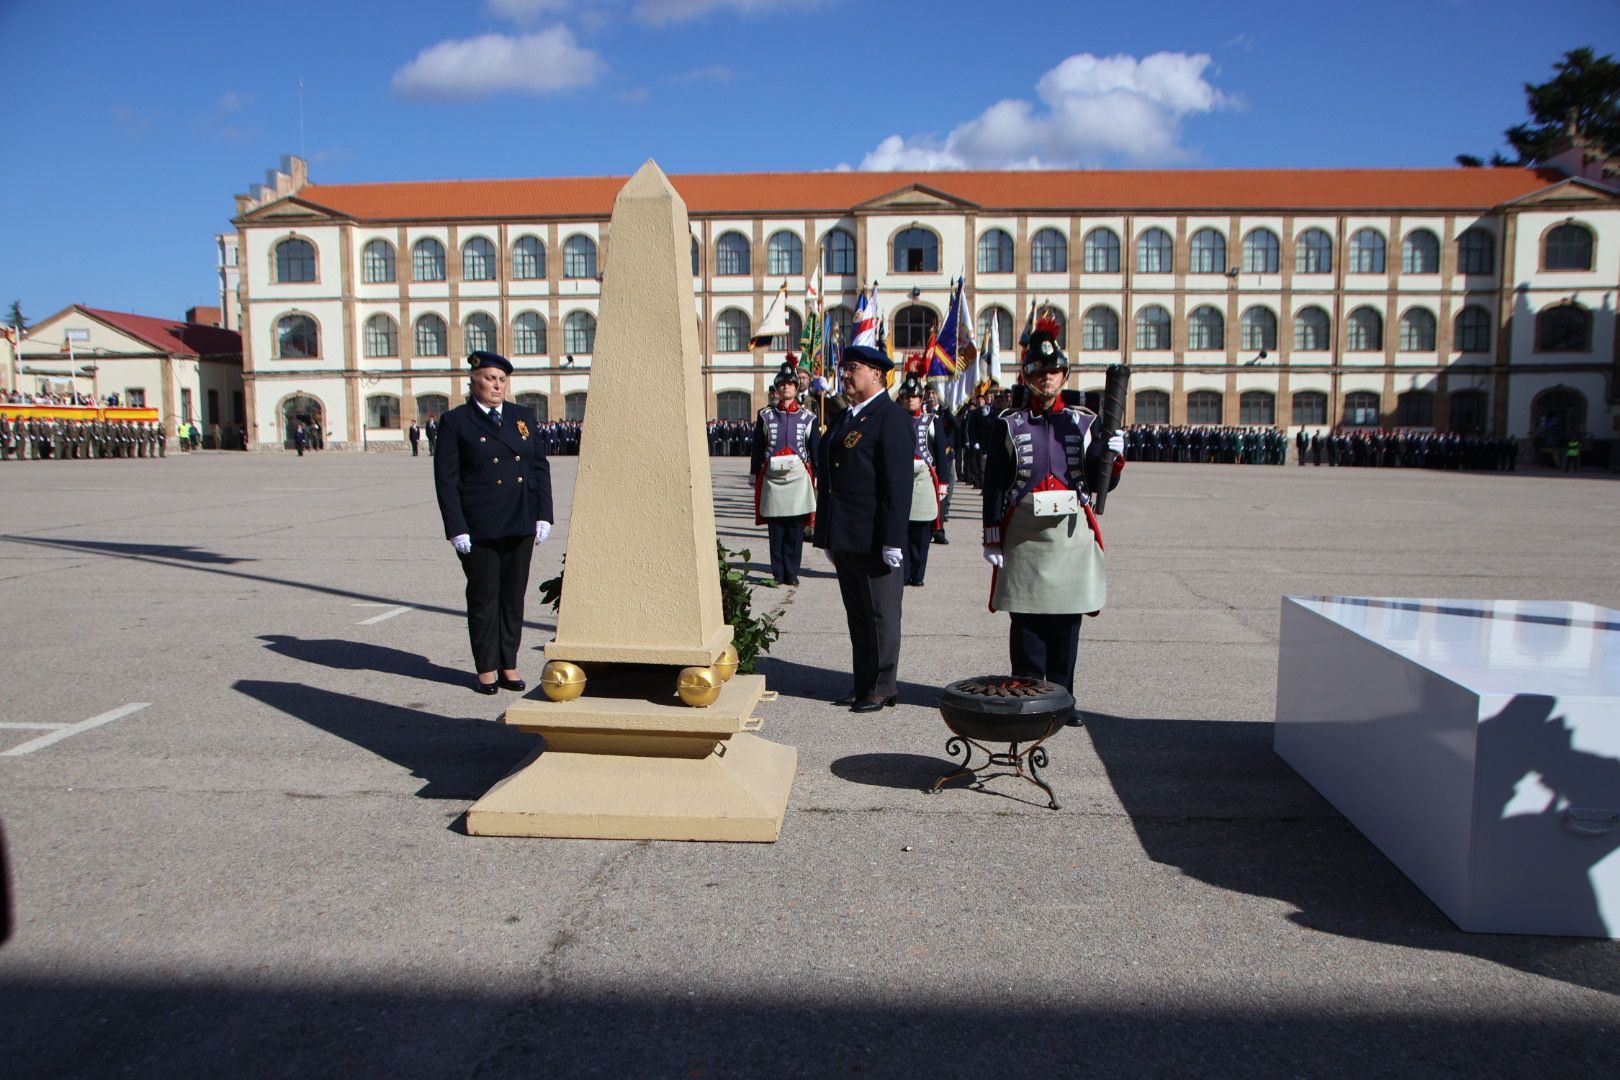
(482, 359)
(867, 355)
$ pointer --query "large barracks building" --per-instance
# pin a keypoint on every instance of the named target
(1451, 299)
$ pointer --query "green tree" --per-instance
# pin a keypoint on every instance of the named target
(1585, 87)
(15, 318)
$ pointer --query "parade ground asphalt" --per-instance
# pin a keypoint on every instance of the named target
(236, 848)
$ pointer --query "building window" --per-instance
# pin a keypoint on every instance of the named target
(1153, 328)
(537, 404)
(1003, 325)
(1310, 407)
(1367, 252)
(1312, 330)
(579, 257)
(1100, 251)
(1313, 253)
(1473, 330)
(1565, 328)
(731, 255)
(529, 334)
(839, 320)
(912, 325)
(916, 251)
(1361, 409)
(1206, 329)
(1204, 407)
(731, 331)
(1417, 331)
(1099, 330)
(579, 333)
(297, 338)
(1468, 412)
(1569, 247)
(479, 333)
(838, 252)
(1364, 331)
(427, 260)
(295, 261)
(1420, 253)
(1152, 407)
(478, 260)
(1415, 408)
(789, 340)
(695, 269)
(1154, 252)
(574, 406)
(528, 259)
(431, 405)
(135, 397)
(1048, 253)
(784, 254)
(1257, 408)
(1259, 328)
(734, 405)
(432, 336)
(1208, 253)
(995, 252)
(382, 336)
(1476, 252)
(382, 411)
(1262, 252)
(377, 263)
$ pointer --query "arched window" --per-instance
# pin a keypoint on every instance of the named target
(1415, 408)
(297, 338)
(995, 252)
(733, 405)
(839, 320)
(911, 326)
(1204, 407)
(301, 408)
(528, 259)
(529, 334)
(1364, 331)
(1417, 330)
(695, 266)
(789, 340)
(1420, 253)
(1099, 329)
(478, 260)
(478, 333)
(579, 257)
(731, 253)
(1152, 407)
(432, 336)
(1206, 329)
(431, 405)
(1310, 407)
(1569, 247)
(1313, 253)
(1257, 408)
(1259, 330)
(1467, 411)
(1208, 251)
(1262, 252)
(1003, 320)
(579, 333)
(427, 260)
(1472, 330)
(1565, 328)
(295, 260)
(784, 253)
(1361, 409)
(537, 404)
(916, 251)
(1154, 252)
(731, 331)
(574, 406)
(1153, 330)
(1313, 330)
(382, 336)
(1100, 251)
(1048, 252)
(382, 411)
(838, 252)
(1476, 252)
(377, 263)
(1367, 252)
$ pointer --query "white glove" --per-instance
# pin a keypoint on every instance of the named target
(993, 556)
(891, 556)
(542, 529)
(944, 490)
(462, 544)
(1116, 442)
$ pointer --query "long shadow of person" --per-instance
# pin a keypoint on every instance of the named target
(362, 656)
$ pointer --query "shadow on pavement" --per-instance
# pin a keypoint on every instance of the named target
(916, 772)
(107, 547)
(362, 656)
(821, 684)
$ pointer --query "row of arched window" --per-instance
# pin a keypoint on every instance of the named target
(296, 262)
(382, 410)
(1361, 408)
(298, 337)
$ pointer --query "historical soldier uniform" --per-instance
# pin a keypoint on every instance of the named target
(786, 440)
(927, 488)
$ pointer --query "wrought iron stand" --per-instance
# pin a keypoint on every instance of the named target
(1033, 756)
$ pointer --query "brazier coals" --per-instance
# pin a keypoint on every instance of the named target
(1003, 709)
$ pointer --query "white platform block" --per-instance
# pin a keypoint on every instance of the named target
(1475, 742)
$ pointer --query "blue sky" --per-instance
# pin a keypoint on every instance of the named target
(132, 126)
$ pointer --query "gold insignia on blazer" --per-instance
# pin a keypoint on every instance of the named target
(851, 439)
(523, 429)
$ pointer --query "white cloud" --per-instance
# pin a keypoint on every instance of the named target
(525, 11)
(1091, 111)
(543, 63)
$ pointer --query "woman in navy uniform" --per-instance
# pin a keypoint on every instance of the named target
(786, 439)
(494, 488)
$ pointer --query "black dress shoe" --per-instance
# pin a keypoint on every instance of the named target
(939, 538)
(486, 687)
(847, 700)
(511, 684)
(873, 704)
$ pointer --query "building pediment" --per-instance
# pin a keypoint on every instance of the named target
(289, 210)
(1571, 192)
(915, 197)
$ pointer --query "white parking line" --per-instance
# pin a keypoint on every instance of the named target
(375, 619)
(64, 731)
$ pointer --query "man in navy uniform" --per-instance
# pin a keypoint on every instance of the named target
(863, 498)
(494, 488)
(786, 438)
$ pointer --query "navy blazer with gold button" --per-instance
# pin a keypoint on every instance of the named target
(492, 482)
(863, 479)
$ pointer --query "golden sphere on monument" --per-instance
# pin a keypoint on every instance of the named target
(562, 681)
(726, 666)
(698, 686)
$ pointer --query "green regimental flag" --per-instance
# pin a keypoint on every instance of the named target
(810, 344)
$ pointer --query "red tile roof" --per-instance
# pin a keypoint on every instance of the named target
(171, 335)
(746, 194)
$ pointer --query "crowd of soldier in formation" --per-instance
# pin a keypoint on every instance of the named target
(1220, 445)
(560, 436)
(40, 438)
(731, 438)
(1375, 448)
